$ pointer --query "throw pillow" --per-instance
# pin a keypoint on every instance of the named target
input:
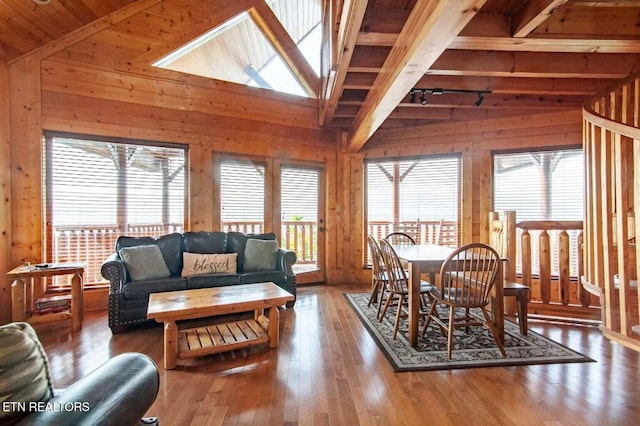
(260, 255)
(196, 263)
(24, 371)
(144, 262)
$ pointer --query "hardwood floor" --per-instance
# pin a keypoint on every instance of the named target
(328, 371)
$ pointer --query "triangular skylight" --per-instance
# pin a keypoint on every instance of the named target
(237, 50)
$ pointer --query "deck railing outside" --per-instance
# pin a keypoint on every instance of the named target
(92, 244)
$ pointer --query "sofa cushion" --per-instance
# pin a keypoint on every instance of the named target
(205, 242)
(171, 246)
(212, 280)
(260, 255)
(196, 263)
(237, 241)
(144, 262)
(24, 370)
(141, 289)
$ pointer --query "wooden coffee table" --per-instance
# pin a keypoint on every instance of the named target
(174, 306)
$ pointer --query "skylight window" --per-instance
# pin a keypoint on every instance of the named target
(237, 51)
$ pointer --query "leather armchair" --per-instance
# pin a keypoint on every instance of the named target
(117, 393)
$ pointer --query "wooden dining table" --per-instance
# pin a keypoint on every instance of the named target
(427, 259)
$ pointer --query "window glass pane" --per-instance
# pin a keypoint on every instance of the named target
(242, 196)
(541, 186)
(99, 190)
(420, 197)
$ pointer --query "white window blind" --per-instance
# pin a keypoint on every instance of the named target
(97, 190)
(420, 196)
(541, 185)
(242, 195)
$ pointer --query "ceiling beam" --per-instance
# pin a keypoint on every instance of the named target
(512, 64)
(352, 15)
(532, 14)
(430, 28)
(528, 44)
(510, 85)
(282, 42)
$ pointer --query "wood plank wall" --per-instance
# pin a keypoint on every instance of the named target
(5, 187)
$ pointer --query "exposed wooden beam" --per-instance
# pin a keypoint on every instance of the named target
(428, 31)
(511, 85)
(532, 14)
(512, 64)
(532, 44)
(493, 100)
(529, 44)
(282, 42)
(352, 15)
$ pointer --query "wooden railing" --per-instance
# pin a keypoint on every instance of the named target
(428, 232)
(298, 236)
(547, 257)
(611, 141)
(92, 244)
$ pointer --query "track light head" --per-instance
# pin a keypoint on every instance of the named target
(412, 99)
(423, 98)
(480, 99)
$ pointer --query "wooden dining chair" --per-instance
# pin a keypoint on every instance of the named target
(467, 277)
(398, 286)
(378, 275)
(400, 239)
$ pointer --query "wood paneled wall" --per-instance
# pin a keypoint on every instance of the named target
(5, 187)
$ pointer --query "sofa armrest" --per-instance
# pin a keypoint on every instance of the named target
(113, 269)
(119, 392)
(286, 259)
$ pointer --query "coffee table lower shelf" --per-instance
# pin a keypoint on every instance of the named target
(211, 339)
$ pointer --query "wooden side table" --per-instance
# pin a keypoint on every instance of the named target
(24, 293)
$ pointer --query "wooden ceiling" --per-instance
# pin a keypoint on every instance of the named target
(532, 56)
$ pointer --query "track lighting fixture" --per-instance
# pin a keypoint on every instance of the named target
(441, 91)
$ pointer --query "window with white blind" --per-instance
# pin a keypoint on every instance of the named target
(242, 195)
(418, 196)
(96, 190)
(541, 186)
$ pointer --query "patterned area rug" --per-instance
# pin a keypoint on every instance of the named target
(472, 350)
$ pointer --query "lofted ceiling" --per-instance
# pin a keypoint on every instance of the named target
(522, 57)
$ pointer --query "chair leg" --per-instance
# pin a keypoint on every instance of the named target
(521, 304)
(386, 306)
(381, 302)
(375, 289)
(493, 330)
(450, 332)
(428, 319)
(398, 315)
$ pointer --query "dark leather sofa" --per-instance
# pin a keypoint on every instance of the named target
(128, 299)
(119, 392)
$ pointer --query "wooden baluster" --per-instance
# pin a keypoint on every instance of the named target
(545, 267)
(583, 295)
(526, 259)
(563, 267)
